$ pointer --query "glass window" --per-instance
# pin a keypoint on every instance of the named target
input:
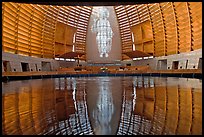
(103, 30)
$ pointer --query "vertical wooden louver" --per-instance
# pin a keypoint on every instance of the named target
(9, 27)
(82, 27)
(37, 31)
(195, 13)
(176, 26)
(125, 32)
(29, 29)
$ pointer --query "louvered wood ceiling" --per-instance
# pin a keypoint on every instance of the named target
(159, 28)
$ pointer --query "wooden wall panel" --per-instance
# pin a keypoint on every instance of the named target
(143, 37)
(139, 47)
(68, 48)
(29, 29)
(148, 47)
(59, 48)
(69, 35)
(147, 31)
(137, 32)
(60, 33)
(64, 38)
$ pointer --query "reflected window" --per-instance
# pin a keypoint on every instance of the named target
(104, 112)
(146, 82)
(151, 81)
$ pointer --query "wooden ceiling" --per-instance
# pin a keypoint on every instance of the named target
(89, 3)
(162, 29)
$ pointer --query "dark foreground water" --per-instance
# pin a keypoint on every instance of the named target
(102, 105)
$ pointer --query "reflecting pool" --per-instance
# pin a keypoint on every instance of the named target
(102, 106)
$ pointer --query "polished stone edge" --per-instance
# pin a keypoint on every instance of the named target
(191, 75)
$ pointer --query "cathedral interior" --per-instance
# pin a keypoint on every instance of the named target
(96, 68)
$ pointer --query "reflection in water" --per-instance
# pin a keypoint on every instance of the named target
(48, 106)
(102, 105)
(169, 106)
(103, 113)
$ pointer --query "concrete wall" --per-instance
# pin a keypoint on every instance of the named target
(144, 62)
(192, 57)
(15, 62)
(46, 66)
(151, 62)
(66, 64)
(155, 64)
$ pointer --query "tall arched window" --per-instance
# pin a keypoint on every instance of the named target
(133, 40)
(73, 48)
(103, 30)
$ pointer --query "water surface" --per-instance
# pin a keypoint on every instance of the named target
(102, 106)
